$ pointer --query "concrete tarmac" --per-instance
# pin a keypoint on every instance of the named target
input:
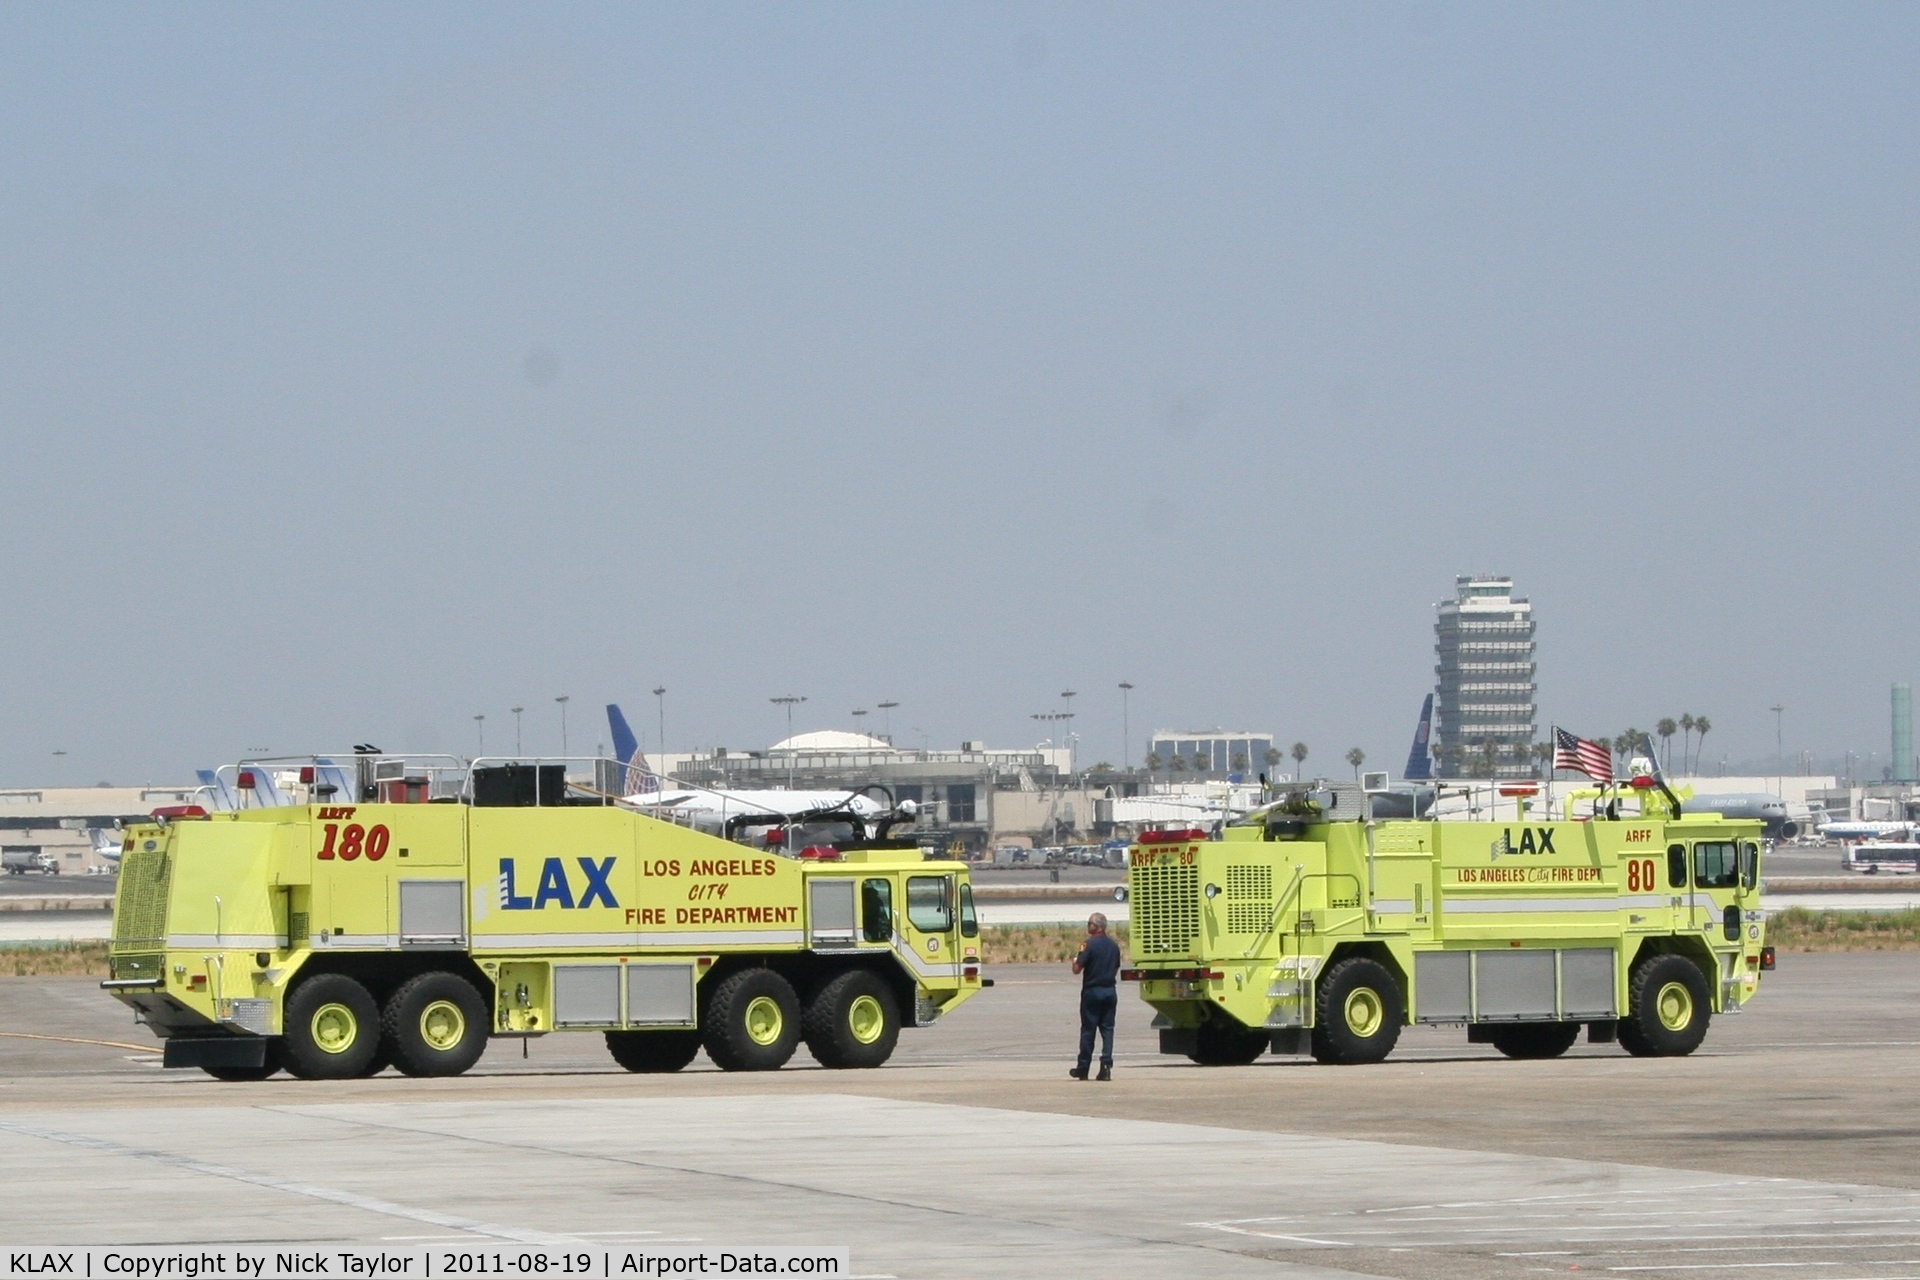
(1785, 1146)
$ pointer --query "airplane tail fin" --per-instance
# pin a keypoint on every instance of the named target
(625, 745)
(640, 779)
(1419, 762)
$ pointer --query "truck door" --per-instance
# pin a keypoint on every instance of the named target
(1718, 903)
(931, 926)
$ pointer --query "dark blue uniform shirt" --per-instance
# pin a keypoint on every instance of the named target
(1099, 962)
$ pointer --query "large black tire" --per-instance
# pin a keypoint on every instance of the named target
(332, 1028)
(1222, 1042)
(653, 1051)
(1535, 1039)
(435, 1025)
(270, 1067)
(1357, 1012)
(751, 1022)
(853, 1022)
(1668, 1008)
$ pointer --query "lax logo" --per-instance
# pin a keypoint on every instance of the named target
(1532, 840)
(557, 887)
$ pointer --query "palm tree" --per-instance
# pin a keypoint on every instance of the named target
(1237, 762)
(1543, 758)
(1153, 765)
(1624, 743)
(1356, 757)
(1666, 729)
(1490, 754)
(1686, 739)
(1273, 759)
(1700, 726)
(1299, 758)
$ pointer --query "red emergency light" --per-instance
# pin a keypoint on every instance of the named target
(306, 775)
(245, 780)
(1512, 789)
(170, 811)
(1172, 837)
(821, 852)
(1642, 783)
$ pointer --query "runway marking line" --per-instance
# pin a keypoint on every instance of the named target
(110, 1044)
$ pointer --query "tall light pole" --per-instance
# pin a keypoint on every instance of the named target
(660, 698)
(1779, 752)
(789, 701)
(856, 719)
(1060, 718)
(563, 700)
(1066, 704)
(1126, 727)
(480, 728)
(888, 708)
(516, 729)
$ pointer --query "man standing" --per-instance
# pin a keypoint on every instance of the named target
(1098, 965)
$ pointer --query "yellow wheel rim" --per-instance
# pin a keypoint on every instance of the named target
(764, 1020)
(866, 1019)
(334, 1028)
(1674, 1004)
(442, 1025)
(1365, 1012)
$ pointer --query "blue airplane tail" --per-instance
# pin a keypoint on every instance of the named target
(1419, 762)
(640, 777)
(625, 745)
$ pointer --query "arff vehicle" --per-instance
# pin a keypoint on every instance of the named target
(1310, 927)
(384, 911)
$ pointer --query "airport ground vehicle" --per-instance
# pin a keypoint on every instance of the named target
(18, 862)
(1312, 928)
(450, 904)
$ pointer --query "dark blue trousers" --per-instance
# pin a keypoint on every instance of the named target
(1097, 1007)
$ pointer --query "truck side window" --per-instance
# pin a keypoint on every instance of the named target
(1714, 866)
(1676, 866)
(876, 910)
(969, 923)
(927, 905)
(1749, 864)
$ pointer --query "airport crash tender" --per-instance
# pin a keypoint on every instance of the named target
(333, 939)
(1311, 928)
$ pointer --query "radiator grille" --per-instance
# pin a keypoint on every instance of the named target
(1249, 898)
(1165, 908)
(140, 907)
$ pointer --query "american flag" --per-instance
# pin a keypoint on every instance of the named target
(1582, 756)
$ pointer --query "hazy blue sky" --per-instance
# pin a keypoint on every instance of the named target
(363, 369)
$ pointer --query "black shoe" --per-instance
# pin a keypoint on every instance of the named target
(1078, 1073)
(1106, 1073)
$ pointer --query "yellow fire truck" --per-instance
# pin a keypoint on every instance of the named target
(383, 912)
(1311, 927)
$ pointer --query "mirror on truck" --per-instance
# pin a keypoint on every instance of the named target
(1749, 864)
(969, 923)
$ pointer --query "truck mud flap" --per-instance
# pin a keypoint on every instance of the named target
(1292, 1040)
(1183, 1040)
(225, 1051)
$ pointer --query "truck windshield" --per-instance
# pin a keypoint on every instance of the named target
(927, 904)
